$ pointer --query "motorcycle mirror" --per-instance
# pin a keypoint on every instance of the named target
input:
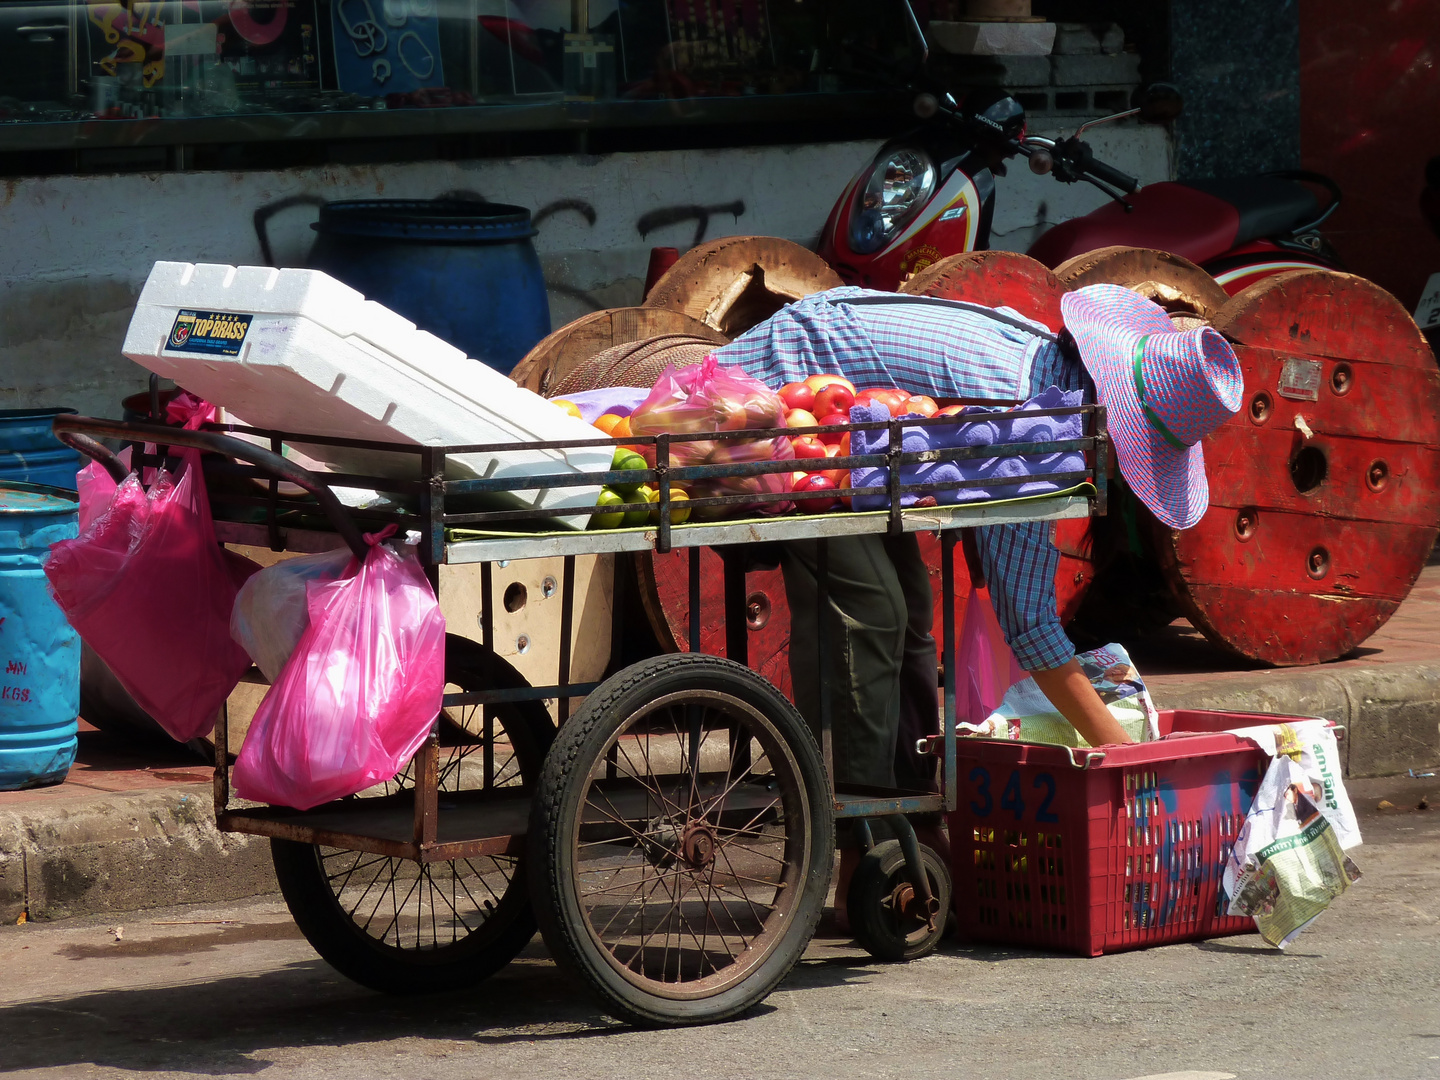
(1159, 103)
(926, 106)
(1041, 162)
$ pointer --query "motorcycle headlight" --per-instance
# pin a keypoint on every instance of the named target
(900, 186)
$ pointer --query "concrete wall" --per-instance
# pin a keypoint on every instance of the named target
(77, 248)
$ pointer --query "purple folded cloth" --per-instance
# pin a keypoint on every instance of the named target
(621, 400)
(1004, 476)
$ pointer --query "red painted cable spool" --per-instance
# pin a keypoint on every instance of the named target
(1008, 279)
(1325, 488)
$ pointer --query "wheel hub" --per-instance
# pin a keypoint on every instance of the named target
(697, 845)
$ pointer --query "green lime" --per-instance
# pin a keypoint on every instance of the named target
(643, 493)
(607, 521)
(626, 460)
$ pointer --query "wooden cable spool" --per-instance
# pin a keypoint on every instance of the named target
(1325, 488)
(1171, 282)
(1130, 596)
(576, 343)
(1009, 279)
(737, 282)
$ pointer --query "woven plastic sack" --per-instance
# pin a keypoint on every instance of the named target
(359, 694)
(708, 397)
(271, 612)
(150, 591)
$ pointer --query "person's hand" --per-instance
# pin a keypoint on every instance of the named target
(1069, 690)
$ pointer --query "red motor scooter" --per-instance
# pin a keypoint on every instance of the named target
(930, 194)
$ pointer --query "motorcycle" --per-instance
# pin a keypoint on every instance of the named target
(930, 193)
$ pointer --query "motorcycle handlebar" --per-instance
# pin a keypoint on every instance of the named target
(1114, 177)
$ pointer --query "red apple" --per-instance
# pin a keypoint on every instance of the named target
(833, 436)
(819, 382)
(950, 410)
(800, 418)
(922, 404)
(816, 482)
(807, 446)
(834, 399)
(797, 395)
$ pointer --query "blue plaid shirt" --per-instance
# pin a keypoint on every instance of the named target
(944, 351)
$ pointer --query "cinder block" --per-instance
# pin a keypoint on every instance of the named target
(993, 38)
(1087, 39)
(1006, 71)
(1095, 70)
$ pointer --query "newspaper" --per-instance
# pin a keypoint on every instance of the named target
(1289, 860)
(1026, 713)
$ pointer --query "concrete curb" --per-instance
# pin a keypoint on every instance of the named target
(1391, 712)
(123, 852)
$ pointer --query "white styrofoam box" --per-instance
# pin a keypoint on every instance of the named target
(298, 351)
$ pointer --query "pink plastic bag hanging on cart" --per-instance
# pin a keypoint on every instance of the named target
(989, 665)
(360, 692)
(708, 397)
(150, 591)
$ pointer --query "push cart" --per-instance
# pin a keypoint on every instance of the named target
(674, 837)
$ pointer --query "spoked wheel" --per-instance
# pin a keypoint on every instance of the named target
(886, 915)
(681, 839)
(403, 927)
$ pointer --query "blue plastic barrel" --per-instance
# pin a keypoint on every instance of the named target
(39, 652)
(30, 453)
(465, 271)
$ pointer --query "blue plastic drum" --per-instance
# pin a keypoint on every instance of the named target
(29, 451)
(465, 271)
(39, 652)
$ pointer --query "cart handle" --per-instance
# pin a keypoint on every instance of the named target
(82, 432)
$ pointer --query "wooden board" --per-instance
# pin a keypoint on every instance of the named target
(1173, 282)
(734, 283)
(1289, 567)
(576, 342)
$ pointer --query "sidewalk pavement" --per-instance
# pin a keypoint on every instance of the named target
(132, 826)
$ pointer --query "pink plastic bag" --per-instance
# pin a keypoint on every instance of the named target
(989, 665)
(150, 591)
(358, 695)
(707, 397)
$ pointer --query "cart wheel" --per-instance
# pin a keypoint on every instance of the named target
(401, 927)
(885, 914)
(682, 841)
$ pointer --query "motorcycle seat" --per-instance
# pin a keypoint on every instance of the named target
(1268, 206)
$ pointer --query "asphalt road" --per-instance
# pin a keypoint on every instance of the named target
(207, 992)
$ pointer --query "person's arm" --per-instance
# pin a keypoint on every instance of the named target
(1020, 563)
(1069, 690)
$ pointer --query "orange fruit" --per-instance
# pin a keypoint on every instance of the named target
(621, 429)
(569, 406)
(607, 422)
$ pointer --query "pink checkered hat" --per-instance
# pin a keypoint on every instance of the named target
(1163, 390)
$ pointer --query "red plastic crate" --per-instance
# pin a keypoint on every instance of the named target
(1122, 854)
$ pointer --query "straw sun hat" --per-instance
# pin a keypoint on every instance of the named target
(1163, 389)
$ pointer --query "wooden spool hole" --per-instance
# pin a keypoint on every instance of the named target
(1317, 564)
(515, 596)
(1308, 468)
(1246, 522)
(1260, 407)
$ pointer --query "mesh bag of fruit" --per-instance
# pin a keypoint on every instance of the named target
(707, 397)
